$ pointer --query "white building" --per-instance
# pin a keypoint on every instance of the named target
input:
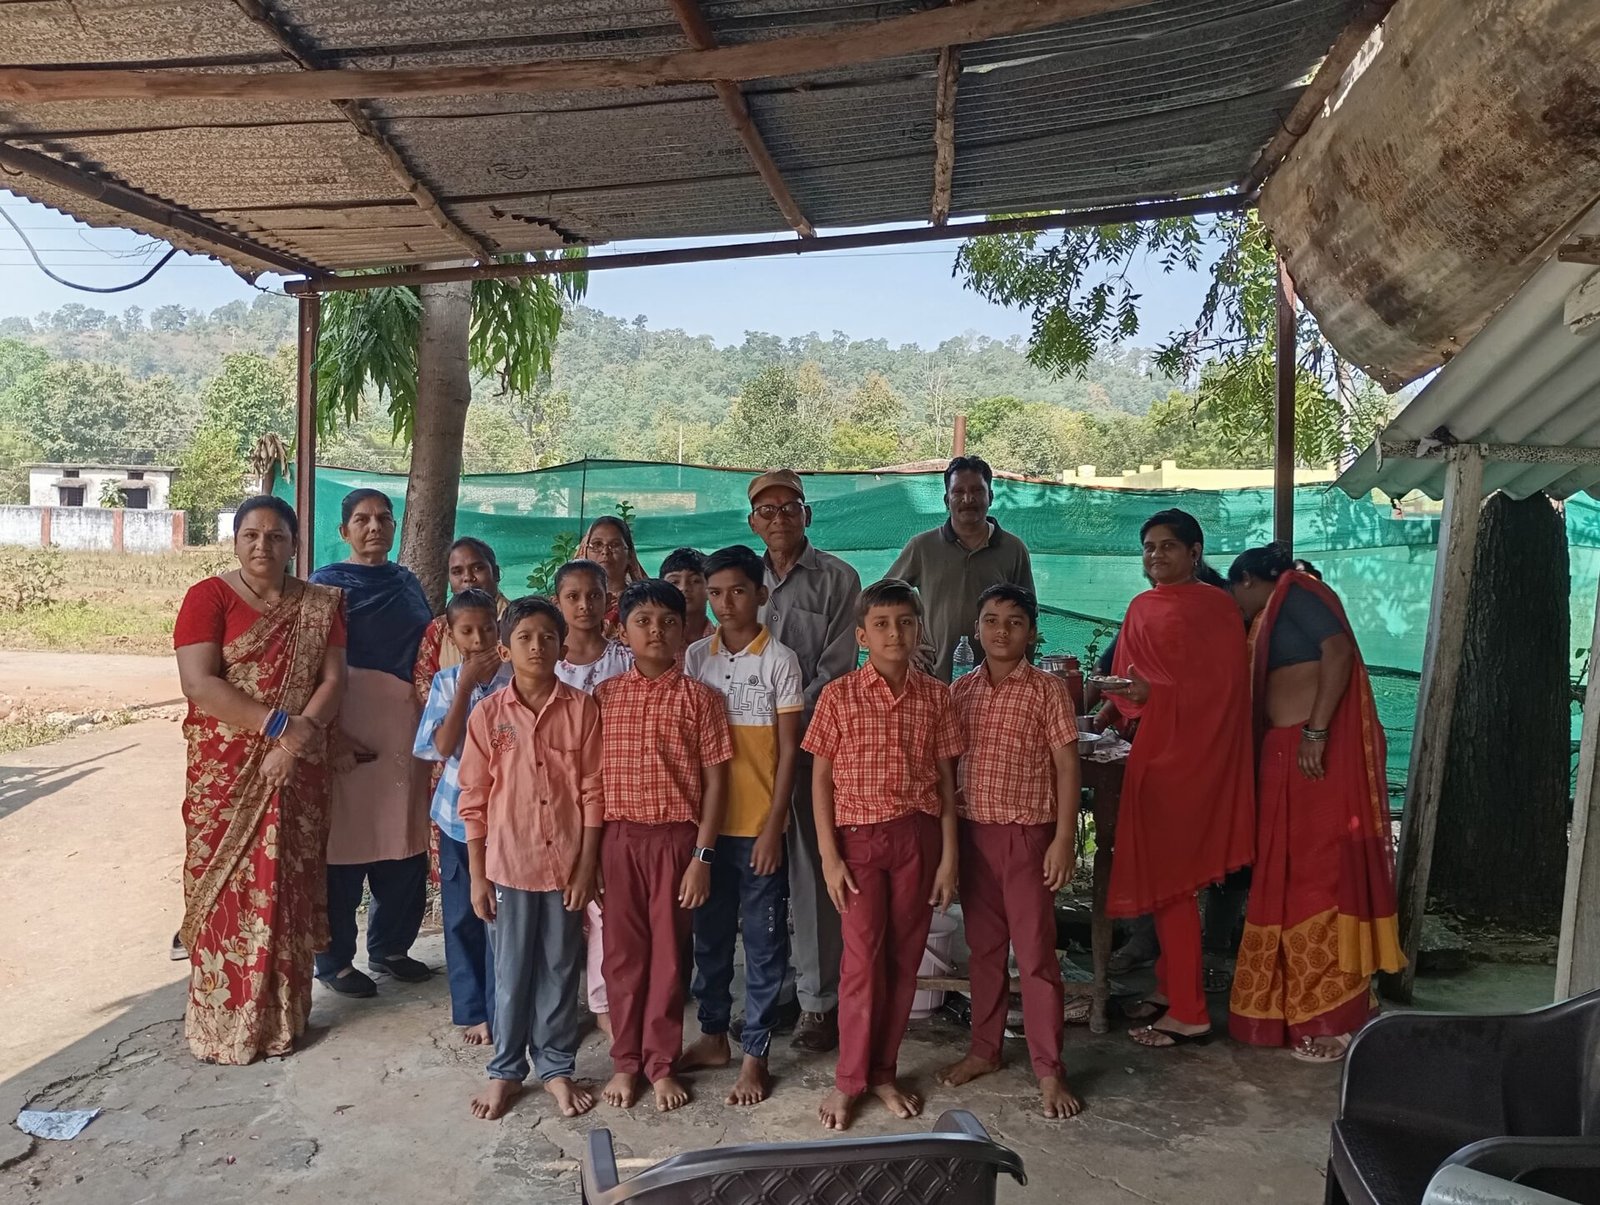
(144, 487)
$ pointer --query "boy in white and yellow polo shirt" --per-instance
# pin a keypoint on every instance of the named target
(760, 680)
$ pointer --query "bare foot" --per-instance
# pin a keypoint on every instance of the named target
(709, 1050)
(968, 1069)
(754, 1085)
(477, 1035)
(1056, 1098)
(1169, 1032)
(901, 1103)
(621, 1090)
(602, 1022)
(670, 1093)
(569, 1097)
(837, 1110)
(496, 1098)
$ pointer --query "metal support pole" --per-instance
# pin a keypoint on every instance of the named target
(305, 440)
(1283, 422)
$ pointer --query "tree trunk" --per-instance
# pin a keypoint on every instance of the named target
(444, 390)
(1501, 852)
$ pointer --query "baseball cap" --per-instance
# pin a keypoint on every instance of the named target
(785, 478)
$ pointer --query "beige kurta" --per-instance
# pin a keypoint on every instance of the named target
(380, 809)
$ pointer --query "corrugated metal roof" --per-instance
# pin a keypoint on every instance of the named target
(1526, 378)
(1162, 99)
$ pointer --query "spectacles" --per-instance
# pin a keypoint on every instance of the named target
(604, 547)
(770, 511)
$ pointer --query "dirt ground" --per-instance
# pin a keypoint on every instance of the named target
(375, 1107)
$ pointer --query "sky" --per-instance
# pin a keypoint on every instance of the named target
(901, 294)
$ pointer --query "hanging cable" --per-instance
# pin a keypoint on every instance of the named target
(60, 280)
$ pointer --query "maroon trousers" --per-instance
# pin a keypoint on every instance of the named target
(1005, 903)
(646, 938)
(885, 932)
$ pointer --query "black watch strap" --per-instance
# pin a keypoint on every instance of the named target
(705, 854)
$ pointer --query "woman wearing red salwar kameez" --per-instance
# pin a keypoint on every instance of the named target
(1321, 920)
(1187, 814)
(261, 659)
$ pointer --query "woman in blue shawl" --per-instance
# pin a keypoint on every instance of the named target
(379, 833)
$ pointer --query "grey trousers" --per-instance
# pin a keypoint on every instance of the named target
(818, 942)
(539, 954)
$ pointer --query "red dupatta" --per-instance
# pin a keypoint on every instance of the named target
(1368, 927)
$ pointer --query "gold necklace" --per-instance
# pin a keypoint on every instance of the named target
(245, 582)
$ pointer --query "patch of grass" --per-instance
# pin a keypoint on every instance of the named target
(26, 731)
(111, 603)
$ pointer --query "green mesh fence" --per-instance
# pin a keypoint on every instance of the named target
(1084, 543)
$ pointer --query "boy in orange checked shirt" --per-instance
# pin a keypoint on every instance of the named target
(532, 809)
(885, 740)
(667, 749)
(1018, 804)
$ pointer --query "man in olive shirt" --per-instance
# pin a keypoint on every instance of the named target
(956, 562)
(811, 607)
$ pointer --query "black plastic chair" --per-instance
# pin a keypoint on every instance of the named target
(957, 1164)
(1516, 1096)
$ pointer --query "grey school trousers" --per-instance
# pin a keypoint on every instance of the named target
(539, 953)
(818, 941)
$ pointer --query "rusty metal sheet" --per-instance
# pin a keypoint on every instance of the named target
(1434, 188)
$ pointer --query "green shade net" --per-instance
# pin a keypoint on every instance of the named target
(1084, 543)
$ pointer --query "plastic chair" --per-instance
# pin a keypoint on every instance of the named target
(1516, 1096)
(957, 1164)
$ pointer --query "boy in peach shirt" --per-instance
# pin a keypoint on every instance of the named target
(532, 805)
(885, 740)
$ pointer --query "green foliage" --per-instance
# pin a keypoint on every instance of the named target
(252, 396)
(211, 478)
(111, 494)
(29, 578)
(562, 549)
(17, 451)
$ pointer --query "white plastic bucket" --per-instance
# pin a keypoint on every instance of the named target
(937, 959)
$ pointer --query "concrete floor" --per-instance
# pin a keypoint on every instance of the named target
(375, 1108)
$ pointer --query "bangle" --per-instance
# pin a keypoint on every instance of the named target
(1314, 734)
(277, 723)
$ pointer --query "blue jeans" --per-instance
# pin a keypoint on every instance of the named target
(468, 958)
(760, 905)
(394, 918)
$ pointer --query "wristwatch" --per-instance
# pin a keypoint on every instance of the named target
(705, 854)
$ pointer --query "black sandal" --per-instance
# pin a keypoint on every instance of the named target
(1145, 1010)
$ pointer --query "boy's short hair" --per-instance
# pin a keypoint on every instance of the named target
(683, 560)
(528, 607)
(1011, 593)
(579, 566)
(890, 592)
(651, 590)
(469, 600)
(741, 558)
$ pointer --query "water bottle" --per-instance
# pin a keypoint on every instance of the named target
(962, 660)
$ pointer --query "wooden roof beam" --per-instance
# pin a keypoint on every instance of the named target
(944, 132)
(702, 37)
(932, 29)
(259, 13)
(150, 210)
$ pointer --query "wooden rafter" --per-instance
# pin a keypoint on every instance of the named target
(147, 208)
(944, 132)
(1340, 56)
(702, 37)
(308, 59)
(933, 29)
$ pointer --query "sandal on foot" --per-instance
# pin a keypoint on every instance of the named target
(1306, 1052)
(1122, 961)
(1144, 1010)
(1175, 1039)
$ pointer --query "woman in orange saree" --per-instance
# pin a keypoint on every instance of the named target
(261, 659)
(1188, 803)
(1321, 920)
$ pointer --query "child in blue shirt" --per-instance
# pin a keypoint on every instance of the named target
(455, 692)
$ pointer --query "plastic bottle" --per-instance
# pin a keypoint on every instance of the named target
(962, 660)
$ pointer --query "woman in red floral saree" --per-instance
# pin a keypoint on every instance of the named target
(1321, 920)
(261, 659)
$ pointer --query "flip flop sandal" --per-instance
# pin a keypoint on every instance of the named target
(1306, 1054)
(1217, 981)
(1176, 1039)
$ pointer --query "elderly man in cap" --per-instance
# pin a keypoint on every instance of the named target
(811, 607)
(957, 561)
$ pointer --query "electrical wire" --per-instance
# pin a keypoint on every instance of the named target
(82, 288)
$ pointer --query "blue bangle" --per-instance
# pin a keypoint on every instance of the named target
(277, 724)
